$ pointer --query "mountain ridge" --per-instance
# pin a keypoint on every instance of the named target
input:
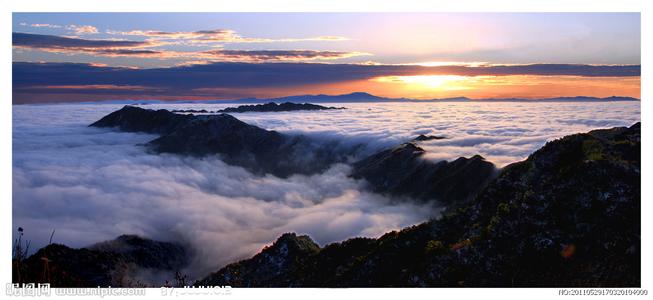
(362, 97)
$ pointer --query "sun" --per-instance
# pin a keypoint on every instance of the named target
(440, 82)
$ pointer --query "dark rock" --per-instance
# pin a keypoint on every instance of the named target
(568, 216)
(136, 119)
(402, 171)
(422, 138)
(274, 107)
(195, 111)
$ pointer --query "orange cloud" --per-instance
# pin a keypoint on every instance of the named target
(277, 55)
(125, 48)
(215, 36)
(77, 29)
(97, 87)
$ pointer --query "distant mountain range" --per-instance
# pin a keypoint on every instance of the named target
(362, 97)
(366, 97)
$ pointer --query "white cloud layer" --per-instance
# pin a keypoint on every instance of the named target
(502, 132)
(94, 184)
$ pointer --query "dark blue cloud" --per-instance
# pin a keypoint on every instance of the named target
(41, 41)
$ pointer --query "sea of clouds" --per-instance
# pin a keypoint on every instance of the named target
(93, 184)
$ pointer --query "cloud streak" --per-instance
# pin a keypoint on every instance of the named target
(215, 36)
(41, 25)
(277, 55)
(124, 48)
(77, 29)
(52, 42)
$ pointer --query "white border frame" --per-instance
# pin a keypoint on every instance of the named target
(642, 6)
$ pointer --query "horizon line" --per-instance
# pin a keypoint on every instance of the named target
(372, 99)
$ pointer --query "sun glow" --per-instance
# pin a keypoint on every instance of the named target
(441, 82)
(507, 86)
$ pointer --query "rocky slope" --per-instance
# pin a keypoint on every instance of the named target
(402, 171)
(118, 262)
(569, 215)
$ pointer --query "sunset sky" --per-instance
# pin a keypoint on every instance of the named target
(83, 57)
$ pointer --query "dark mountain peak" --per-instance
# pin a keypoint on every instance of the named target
(281, 262)
(238, 143)
(294, 243)
(407, 149)
(473, 159)
(131, 239)
(274, 107)
(402, 171)
(136, 119)
(360, 94)
(422, 138)
(351, 97)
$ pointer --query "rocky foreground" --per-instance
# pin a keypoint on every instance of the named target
(569, 215)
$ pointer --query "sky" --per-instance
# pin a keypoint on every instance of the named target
(61, 57)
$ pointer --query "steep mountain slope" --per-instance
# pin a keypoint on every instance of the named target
(402, 171)
(569, 215)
